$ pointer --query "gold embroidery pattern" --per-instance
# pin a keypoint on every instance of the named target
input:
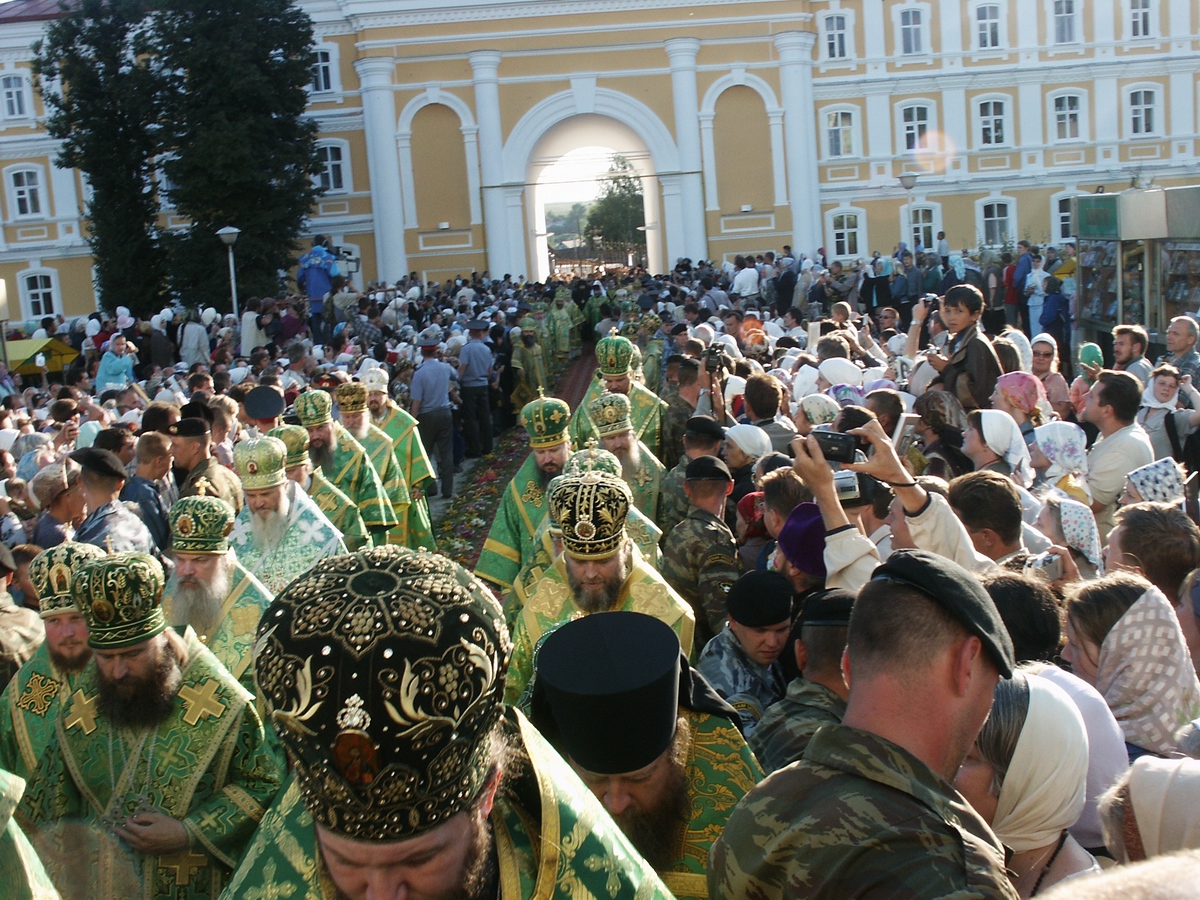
(83, 712)
(533, 494)
(39, 694)
(201, 703)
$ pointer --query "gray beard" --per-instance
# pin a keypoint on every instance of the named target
(631, 462)
(360, 433)
(268, 531)
(199, 605)
(606, 597)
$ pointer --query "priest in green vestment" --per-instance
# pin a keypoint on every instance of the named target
(345, 463)
(599, 570)
(352, 406)
(36, 695)
(610, 415)
(510, 542)
(615, 362)
(161, 768)
(529, 368)
(560, 324)
(410, 775)
(22, 875)
(336, 506)
(401, 427)
(671, 775)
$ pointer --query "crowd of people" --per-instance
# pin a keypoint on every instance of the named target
(895, 603)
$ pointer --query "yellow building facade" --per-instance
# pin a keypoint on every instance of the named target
(753, 125)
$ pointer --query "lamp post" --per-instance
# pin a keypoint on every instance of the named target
(229, 236)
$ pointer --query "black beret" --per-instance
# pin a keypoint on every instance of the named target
(706, 426)
(826, 608)
(190, 427)
(101, 462)
(688, 363)
(264, 402)
(674, 358)
(196, 410)
(959, 593)
(645, 301)
(679, 328)
(707, 468)
(611, 686)
(759, 599)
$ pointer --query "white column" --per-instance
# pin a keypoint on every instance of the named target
(778, 167)
(799, 130)
(694, 238)
(1182, 94)
(485, 66)
(1031, 114)
(408, 183)
(512, 223)
(709, 150)
(470, 135)
(383, 165)
(956, 125)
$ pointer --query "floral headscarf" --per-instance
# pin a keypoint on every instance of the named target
(960, 269)
(753, 510)
(1003, 437)
(847, 395)
(819, 409)
(1159, 482)
(1065, 445)
(1079, 530)
(1024, 392)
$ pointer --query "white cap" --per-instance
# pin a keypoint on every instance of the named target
(750, 439)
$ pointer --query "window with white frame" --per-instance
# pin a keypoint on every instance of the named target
(845, 234)
(991, 123)
(920, 226)
(987, 26)
(25, 193)
(322, 72)
(912, 28)
(915, 120)
(839, 129)
(15, 89)
(1062, 218)
(1065, 24)
(334, 175)
(1143, 118)
(1066, 117)
(37, 294)
(835, 37)
(1140, 20)
(996, 223)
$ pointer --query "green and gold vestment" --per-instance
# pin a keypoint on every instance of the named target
(645, 411)
(351, 470)
(339, 510)
(401, 427)
(510, 541)
(29, 707)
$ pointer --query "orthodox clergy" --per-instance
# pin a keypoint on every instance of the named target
(528, 365)
(599, 570)
(338, 508)
(31, 703)
(560, 323)
(209, 589)
(510, 542)
(646, 733)
(345, 463)
(352, 407)
(401, 427)
(411, 776)
(280, 533)
(24, 877)
(615, 356)
(610, 415)
(160, 771)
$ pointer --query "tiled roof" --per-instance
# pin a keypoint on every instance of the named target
(29, 10)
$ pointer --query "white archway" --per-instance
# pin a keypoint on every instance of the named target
(470, 133)
(739, 77)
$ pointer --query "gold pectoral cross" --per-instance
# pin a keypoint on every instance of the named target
(83, 712)
(201, 703)
(39, 694)
(204, 486)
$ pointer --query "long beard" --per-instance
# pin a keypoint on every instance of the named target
(601, 598)
(655, 832)
(360, 432)
(199, 604)
(321, 457)
(268, 529)
(142, 702)
(631, 462)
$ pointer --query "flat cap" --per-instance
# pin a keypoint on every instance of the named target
(829, 608)
(264, 403)
(101, 462)
(707, 468)
(679, 328)
(190, 427)
(478, 325)
(760, 599)
(706, 426)
(959, 593)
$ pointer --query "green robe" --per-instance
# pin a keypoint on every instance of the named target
(383, 459)
(510, 541)
(552, 603)
(29, 707)
(22, 876)
(645, 409)
(553, 840)
(646, 482)
(560, 324)
(401, 427)
(339, 510)
(529, 374)
(351, 470)
(652, 358)
(208, 765)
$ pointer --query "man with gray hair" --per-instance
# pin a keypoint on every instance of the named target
(1182, 335)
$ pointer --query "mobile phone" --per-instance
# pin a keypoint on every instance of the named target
(905, 433)
(1048, 565)
(836, 446)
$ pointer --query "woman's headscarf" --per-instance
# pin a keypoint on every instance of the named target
(1065, 445)
(753, 511)
(1045, 786)
(1080, 532)
(819, 409)
(1159, 482)
(1149, 401)
(847, 395)
(1146, 676)
(1163, 793)
(1003, 437)
(840, 371)
(1024, 392)
(960, 269)
(805, 381)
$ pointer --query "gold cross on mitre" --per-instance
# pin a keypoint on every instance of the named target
(83, 712)
(201, 703)
(203, 486)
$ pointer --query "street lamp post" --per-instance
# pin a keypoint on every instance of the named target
(229, 236)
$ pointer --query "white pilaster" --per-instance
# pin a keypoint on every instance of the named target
(949, 17)
(691, 239)
(1105, 15)
(1107, 122)
(383, 165)
(502, 257)
(709, 150)
(1182, 97)
(470, 135)
(800, 135)
(1031, 114)
(879, 136)
(66, 205)
(956, 125)
(775, 121)
(512, 222)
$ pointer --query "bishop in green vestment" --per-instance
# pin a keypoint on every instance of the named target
(22, 874)
(529, 369)
(611, 420)
(615, 359)
(352, 405)
(560, 324)
(423, 754)
(336, 506)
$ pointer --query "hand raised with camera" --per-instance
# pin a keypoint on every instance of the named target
(810, 464)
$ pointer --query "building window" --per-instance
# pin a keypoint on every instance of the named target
(996, 228)
(840, 128)
(987, 24)
(1066, 117)
(39, 294)
(1064, 21)
(1139, 19)
(835, 37)
(1141, 112)
(991, 122)
(26, 192)
(332, 176)
(920, 220)
(845, 234)
(916, 127)
(15, 102)
(322, 72)
(911, 37)
(1063, 220)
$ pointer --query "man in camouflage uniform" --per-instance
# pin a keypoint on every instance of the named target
(680, 408)
(700, 558)
(742, 661)
(818, 696)
(701, 437)
(868, 809)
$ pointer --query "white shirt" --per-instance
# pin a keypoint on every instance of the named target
(745, 282)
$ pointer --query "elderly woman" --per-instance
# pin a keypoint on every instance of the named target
(1045, 361)
(1071, 524)
(993, 442)
(1059, 455)
(58, 492)
(814, 410)
(1023, 397)
(1026, 776)
(1123, 637)
(1161, 481)
(1154, 809)
(940, 429)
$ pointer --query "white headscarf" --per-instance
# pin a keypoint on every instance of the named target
(836, 370)
(1003, 437)
(1163, 793)
(1045, 786)
(1150, 402)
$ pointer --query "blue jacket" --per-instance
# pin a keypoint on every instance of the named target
(114, 370)
(317, 267)
(1055, 309)
(1021, 274)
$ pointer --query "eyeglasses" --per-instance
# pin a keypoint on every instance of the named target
(1049, 355)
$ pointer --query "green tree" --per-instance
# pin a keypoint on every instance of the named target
(615, 218)
(233, 77)
(105, 115)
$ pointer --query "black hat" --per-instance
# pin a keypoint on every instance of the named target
(101, 462)
(611, 687)
(478, 325)
(760, 599)
(958, 592)
(707, 468)
(829, 608)
(645, 301)
(196, 410)
(688, 362)
(523, 306)
(679, 328)
(190, 427)
(706, 426)
(674, 358)
(264, 402)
